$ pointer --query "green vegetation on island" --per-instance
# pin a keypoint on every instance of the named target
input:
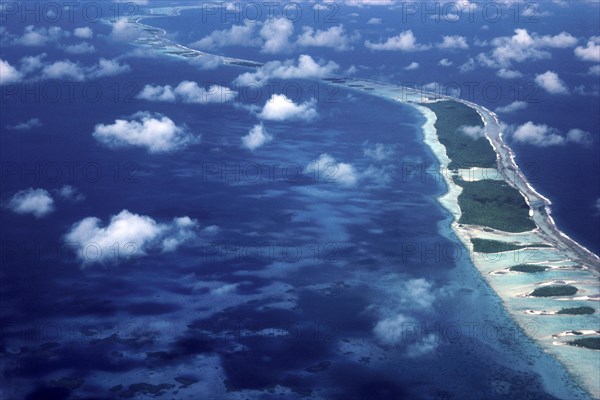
(528, 268)
(577, 311)
(554, 290)
(495, 246)
(463, 150)
(589, 343)
(494, 204)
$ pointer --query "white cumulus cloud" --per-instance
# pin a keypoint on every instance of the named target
(127, 235)
(506, 73)
(83, 32)
(512, 107)
(276, 34)
(37, 202)
(591, 51)
(379, 152)
(257, 137)
(405, 41)
(412, 66)
(579, 136)
(551, 83)
(523, 46)
(392, 330)
(424, 346)
(305, 68)
(237, 35)
(27, 125)
(474, 132)
(187, 92)
(40, 36)
(70, 193)
(8, 73)
(539, 135)
(155, 132)
(453, 42)
(326, 169)
(334, 37)
(281, 108)
(444, 62)
(80, 48)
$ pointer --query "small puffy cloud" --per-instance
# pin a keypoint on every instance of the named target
(187, 92)
(584, 91)
(468, 66)
(257, 137)
(537, 135)
(438, 88)
(523, 46)
(591, 51)
(579, 136)
(417, 293)
(327, 168)
(36, 202)
(334, 37)
(560, 41)
(506, 73)
(69, 70)
(281, 108)
(378, 152)
(81, 48)
(8, 73)
(108, 68)
(27, 125)
(453, 42)
(305, 68)
(390, 331)
(155, 132)
(237, 35)
(32, 63)
(378, 177)
(134, 235)
(543, 136)
(512, 107)
(207, 61)
(444, 62)
(594, 70)
(70, 193)
(405, 41)
(412, 66)
(276, 33)
(551, 83)
(157, 93)
(225, 289)
(274, 36)
(64, 69)
(41, 36)
(474, 132)
(424, 346)
(124, 31)
(375, 21)
(83, 32)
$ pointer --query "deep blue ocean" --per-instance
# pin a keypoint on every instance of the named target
(294, 286)
(567, 175)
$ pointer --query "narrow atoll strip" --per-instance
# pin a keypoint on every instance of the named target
(522, 238)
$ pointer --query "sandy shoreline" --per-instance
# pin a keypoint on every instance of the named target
(560, 256)
(565, 252)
